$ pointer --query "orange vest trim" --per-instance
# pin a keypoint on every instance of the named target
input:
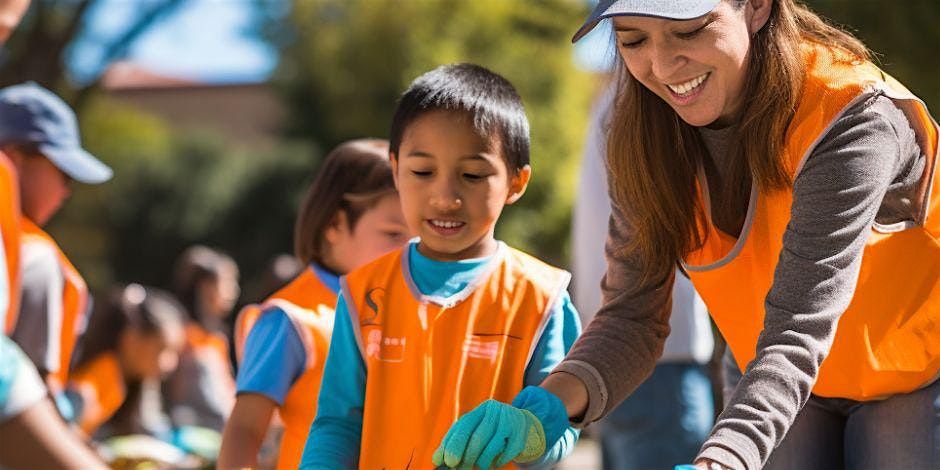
(10, 231)
(309, 304)
(75, 302)
(100, 383)
(429, 359)
(887, 339)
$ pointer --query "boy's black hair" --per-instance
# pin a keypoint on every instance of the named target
(486, 96)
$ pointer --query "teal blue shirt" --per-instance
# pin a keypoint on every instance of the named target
(335, 436)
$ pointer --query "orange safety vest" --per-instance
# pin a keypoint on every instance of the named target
(309, 304)
(429, 360)
(75, 309)
(100, 384)
(888, 340)
(10, 231)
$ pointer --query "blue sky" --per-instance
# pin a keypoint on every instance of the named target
(205, 40)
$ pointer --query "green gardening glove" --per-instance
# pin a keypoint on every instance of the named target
(494, 433)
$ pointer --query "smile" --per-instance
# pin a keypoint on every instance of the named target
(688, 88)
(446, 228)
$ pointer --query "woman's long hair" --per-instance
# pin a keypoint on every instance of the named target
(653, 154)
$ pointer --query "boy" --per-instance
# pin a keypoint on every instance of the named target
(39, 133)
(455, 318)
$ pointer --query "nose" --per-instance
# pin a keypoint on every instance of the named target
(666, 60)
(446, 197)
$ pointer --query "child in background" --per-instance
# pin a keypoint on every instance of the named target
(456, 318)
(201, 391)
(137, 337)
(351, 215)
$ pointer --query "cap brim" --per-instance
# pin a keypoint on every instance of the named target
(78, 164)
(680, 10)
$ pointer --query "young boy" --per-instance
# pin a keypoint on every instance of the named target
(39, 133)
(455, 318)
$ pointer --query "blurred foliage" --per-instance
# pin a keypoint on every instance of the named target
(904, 37)
(344, 64)
(173, 188)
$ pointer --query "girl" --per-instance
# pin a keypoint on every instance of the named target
(202, 390)
(350, 216)
(137, 338)
(796, 183)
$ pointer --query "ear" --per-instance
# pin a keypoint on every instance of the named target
(337, 227)
(757, 13)
(518, 183)
(393, 159)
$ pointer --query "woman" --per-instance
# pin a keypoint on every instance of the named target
(818, 239)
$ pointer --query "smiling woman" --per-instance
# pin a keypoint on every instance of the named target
(759, 148)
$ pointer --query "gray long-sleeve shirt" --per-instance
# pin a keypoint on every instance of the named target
(868, 166)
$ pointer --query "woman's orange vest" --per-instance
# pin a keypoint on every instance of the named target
(888, 340)
(429, 360)
(310, 306)
(100, 384)
(10, 231)
(75, 309)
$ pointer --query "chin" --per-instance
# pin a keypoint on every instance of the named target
(699, 119)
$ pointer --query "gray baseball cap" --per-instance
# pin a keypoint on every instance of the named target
(30, 113)
(668, 9)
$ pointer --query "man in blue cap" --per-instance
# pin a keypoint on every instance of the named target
(39, 134)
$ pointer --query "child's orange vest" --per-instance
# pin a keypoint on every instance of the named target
(100, 384)
(10, 231)
(310, 306)
(888, 340)
(75, 309)
(429, 360)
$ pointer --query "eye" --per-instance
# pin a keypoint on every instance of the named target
(693, 33)
(421, 173)
(473, 176)
(631, 44)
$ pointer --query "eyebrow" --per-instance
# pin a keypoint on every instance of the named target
(423, 154)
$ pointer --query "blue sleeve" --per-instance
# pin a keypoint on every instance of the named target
(274, 357)
(336, 432)
(560, 333)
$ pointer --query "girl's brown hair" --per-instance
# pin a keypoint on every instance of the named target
(653, 155)
(353, 178)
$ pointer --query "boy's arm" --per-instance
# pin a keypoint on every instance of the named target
(560, 333)
(336, 433)
(245, 430)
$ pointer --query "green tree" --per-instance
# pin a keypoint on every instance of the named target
(345, 62)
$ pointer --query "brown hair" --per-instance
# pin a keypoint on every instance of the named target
(653, 154)
(194, 266)
(354, 176)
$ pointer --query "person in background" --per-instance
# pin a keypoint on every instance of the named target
(201, 391)
(11, 11)
(350, 216)
(39, 134)
(668, 417)
(132, 343)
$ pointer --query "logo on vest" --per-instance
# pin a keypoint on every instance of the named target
(481, 349)
(385, 348)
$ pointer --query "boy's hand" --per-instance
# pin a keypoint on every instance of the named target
(494, 433)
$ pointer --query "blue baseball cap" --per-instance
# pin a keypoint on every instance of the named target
(32, 114)
(667, 9)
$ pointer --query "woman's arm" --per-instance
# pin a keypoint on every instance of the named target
(619, 348)
(836, 199)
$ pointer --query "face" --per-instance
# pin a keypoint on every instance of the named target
(43, 187)
(151, 355)
(378, 230)
(11, 11)
(221, 292)
(453, 185)
(698, 66)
